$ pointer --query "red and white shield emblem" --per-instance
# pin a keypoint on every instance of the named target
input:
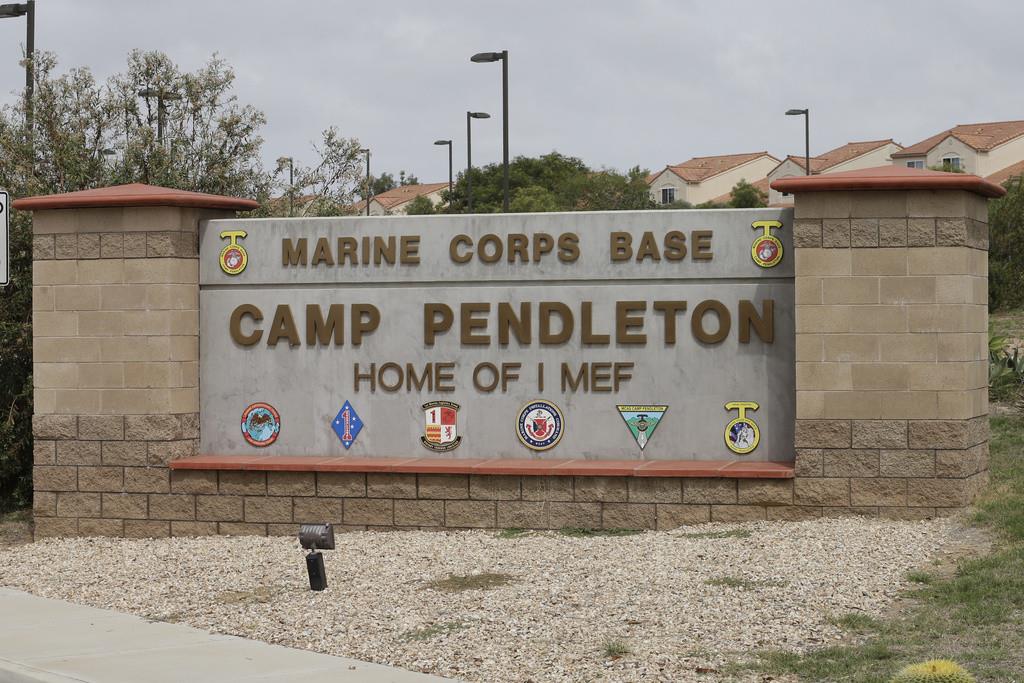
(441, 429)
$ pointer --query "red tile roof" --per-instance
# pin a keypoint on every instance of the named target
(834, 157)
(761, 184)
(134, 194)
(888, 178)
(978, 136)
(401, 195)
(698, 169)
(1012, 171)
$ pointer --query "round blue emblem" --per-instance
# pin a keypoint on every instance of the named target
(540, 425)
(261, 424)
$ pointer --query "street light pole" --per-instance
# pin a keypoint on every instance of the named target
(27, 9)
(470, 115)
(483, 57)
(449, 144)
(161, 108)
(369, 187)
(806, 113)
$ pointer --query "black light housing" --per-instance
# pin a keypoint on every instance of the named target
(485, 57)
(316, 536)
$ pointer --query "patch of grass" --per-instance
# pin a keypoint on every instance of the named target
(856, 621)
(920, 577)
(975, 617)
(587, 533)
(513, 533)
(428, 632)
(615, 648)
(470, 582)
(745, 584)
(731, 533)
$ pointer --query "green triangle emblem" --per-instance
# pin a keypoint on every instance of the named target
(642, 420)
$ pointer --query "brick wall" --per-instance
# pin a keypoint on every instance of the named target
(891, 371)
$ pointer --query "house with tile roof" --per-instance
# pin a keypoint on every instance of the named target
(395, 201)
(849, 157)
(702, 179)
(994, 150)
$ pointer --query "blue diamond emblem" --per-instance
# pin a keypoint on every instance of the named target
(347, 425)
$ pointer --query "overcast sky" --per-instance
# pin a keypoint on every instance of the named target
(616, 82)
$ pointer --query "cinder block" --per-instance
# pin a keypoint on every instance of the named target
(55, 527)
(807, 233)
(810, 405)
(42, 247)
(54, 324)
(88, 245)
(44, 504)
(939, 492)
(513, 514)
(101, 427)
(193, 481)
(291, 483)
(849, 348)
(919, 289)
(808, 291)
(134, 246)
(877, 319)
(111, 245)
(908, 348)
(55, 273)
(962, 462)
(940, 261)
(809, 462)
(66, 246)
(241, 482)
(147, 480)
(821, 376)
(878, 203)
(892, 261)
(241, 529)
(822, 262)
(443, 486)
(177, 506)
(879, 434)
(857, 405)
(793, 513)
(835, 233)
(655, 490)
(878, 491)
(864, 232)
(193, 528)
(596, 489)
(547, 488)
(823, 434)
(671, 516)
(148, 528)
(78, 453)
(494, 487)
(66, 350)
(823, 205)
(765, 492)
(55, 427)
(907, 463)
(73, 504)
(101, 272)
(738, 513)
(470, 513)
(317, 510)
(219, 508)
(921, 232)
(936, 203)
(821, 491)
(42, 298)
(574, 515)
(125, 506)
(628, 516)
(705, 491)
(47, 478)
(373, 511)
(101, 527)
(429, 513)
(383, 485)
(267, 509)
(341, 484)
(851, 463)
(951, 231)
(945, 434)
(124, 453)
(44, 452)
(163, 452)
(892, 232)
(850, 290)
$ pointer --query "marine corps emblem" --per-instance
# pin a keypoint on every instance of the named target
(233, 257)
(441, 429)
(261, 424)
(766, 249)
(540, 425)
(742, 434)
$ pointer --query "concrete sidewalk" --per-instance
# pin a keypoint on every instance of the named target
(52, 641)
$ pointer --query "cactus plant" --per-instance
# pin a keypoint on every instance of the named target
(933, 671)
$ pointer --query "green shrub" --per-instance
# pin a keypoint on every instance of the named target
(933, 671)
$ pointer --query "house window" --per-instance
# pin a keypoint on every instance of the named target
(668, 195)
(951, 162)
(915, 164)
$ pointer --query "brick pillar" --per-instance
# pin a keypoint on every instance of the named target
(891, 341)
(116, 356)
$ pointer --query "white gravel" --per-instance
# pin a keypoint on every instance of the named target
(568, 596)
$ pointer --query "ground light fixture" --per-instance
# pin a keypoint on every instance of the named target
(470, 115)
(484, 58)
(316, 537)
(806, 113)
(448, 143)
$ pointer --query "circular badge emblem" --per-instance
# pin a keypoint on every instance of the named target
(540, 425)
(766, 251)
(742, 435)
(261, 424)
(233, 258)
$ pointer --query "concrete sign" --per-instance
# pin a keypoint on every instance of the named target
(5, 238)
(619, 335)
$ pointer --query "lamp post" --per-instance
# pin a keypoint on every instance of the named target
(291, 184)
(484, 57)
(470, 115)
(369, 187)
(449, 144)
(28, 10)
(806, 113)
(161, 108)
